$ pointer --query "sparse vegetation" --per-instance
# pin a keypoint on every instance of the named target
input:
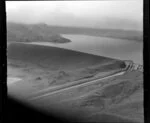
(29, 33)
(113, 93)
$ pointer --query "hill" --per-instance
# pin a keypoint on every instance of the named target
(44, 32)
(28, 33)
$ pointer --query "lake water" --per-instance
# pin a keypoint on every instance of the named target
(109, 47)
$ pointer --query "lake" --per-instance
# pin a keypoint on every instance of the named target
(102, 46)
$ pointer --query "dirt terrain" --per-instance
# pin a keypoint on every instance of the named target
(45, 66)
(117, 99)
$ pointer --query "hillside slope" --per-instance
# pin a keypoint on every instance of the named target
(29, 33)
(116, 99)
(54, 66)
(44, 32)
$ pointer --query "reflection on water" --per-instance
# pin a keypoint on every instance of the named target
(109, 47)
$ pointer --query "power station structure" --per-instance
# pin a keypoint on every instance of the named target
(131, 66)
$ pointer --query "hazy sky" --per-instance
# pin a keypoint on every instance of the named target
(122, 14)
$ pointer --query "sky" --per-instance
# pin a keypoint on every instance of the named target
(114, 14)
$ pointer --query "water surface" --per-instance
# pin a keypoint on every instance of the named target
(109, 47)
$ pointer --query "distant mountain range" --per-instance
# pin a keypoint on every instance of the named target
(44, 32)
(28, 33)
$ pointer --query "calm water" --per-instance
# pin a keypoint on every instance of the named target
(109, 47)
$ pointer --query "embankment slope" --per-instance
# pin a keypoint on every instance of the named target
(53, 57)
